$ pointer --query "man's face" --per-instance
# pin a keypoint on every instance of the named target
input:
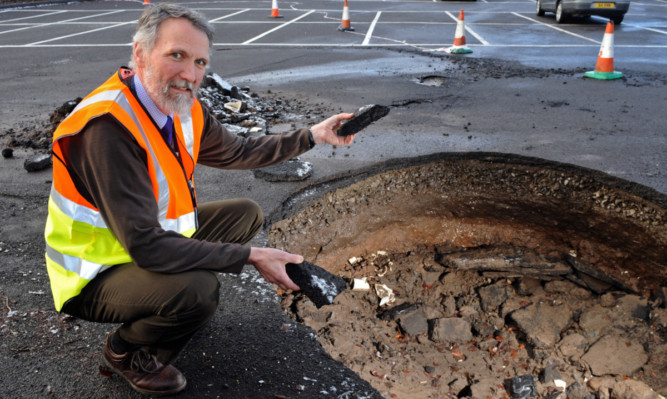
(174, 69)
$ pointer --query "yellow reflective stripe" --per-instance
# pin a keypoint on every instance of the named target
(75, 211)
(82, 240)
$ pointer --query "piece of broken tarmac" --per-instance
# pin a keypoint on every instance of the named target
(363, 117)
(320, 286)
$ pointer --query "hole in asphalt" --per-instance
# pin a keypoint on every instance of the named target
(483, 269)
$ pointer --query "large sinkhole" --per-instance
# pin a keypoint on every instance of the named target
(488, 275)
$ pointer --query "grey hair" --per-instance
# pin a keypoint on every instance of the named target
(154, 15)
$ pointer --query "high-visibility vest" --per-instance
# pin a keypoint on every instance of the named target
(79, 244)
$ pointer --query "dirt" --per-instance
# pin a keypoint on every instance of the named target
(496, 271)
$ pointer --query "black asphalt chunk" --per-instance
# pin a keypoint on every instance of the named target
(363, 117)
(320, 286)
(290, 170)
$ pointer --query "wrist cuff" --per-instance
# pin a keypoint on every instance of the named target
(311, 139)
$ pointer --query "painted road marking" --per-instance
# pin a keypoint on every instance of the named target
(369, 34)
(366, 36)
(34, 16)
(41, 25)
(278, 27)
(80, 33)
(556, 28)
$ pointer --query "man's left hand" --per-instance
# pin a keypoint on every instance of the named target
(325, 131)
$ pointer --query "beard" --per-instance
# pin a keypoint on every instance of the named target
(170, 103)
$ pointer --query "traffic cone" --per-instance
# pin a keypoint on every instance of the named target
(459, 46)
(275, 13)
(147, 2)
(345, 23)
(604, 69)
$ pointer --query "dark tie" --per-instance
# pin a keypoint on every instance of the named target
(168, 131)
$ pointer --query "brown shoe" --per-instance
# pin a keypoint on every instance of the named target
(143, 371)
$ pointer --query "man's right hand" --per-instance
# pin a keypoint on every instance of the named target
(270, 263)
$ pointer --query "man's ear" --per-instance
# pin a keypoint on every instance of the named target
(138, 54)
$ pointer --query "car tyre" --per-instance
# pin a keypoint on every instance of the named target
(539, 11)
(616, 19)
(560, 15)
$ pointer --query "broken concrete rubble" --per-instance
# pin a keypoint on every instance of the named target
(541, 321)
(413, 323)
(450, 329)
(320, 286)
(523, 386)
(492, 296)
(291, 170)
(37, 162)
(362, 118)
(241, 113)
(615, 355)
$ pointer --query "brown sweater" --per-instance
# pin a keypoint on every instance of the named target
(109, 169)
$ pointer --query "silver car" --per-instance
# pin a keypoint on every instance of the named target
(564, 9)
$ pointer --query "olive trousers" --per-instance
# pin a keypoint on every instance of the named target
(160, 312)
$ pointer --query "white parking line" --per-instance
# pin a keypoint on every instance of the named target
(60, 22)
(277, 27)
(556, 28)
(33, 16)
(80, 33)
(229, 15)
(369, 34)
(650, 29)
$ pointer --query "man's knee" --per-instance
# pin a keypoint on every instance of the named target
(234, 221)
(254, 215)
(197, 298)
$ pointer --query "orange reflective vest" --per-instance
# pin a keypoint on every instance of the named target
(79, 245)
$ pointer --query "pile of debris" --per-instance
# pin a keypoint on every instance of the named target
(415, 326)
(243, 113)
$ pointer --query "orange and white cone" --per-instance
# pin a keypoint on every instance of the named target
(459, 46)
(604, 69)
(345, 22)
(147, 2)
(275, 13)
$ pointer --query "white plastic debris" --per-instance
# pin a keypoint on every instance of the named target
(234, 106)
(385, 293)
(353, 260)
(360, 284)
(560, 384)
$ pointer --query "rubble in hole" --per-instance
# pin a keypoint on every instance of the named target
(448, 332)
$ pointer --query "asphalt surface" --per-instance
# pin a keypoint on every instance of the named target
(522, 93)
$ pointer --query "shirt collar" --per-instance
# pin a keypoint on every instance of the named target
(158, 116)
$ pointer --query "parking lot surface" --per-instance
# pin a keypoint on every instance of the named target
(521, 91)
